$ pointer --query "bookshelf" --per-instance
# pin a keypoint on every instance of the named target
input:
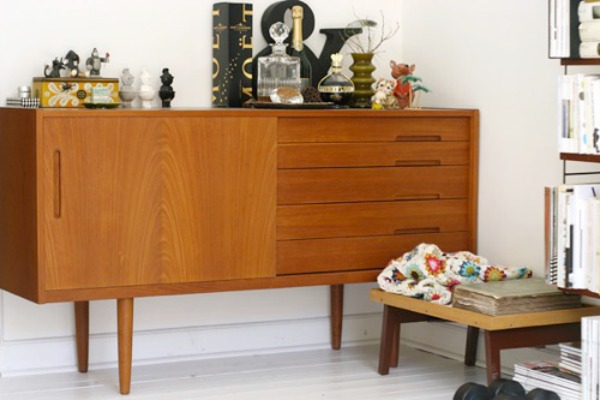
(579, 61)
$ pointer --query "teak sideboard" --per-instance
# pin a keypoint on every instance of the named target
(119, 204)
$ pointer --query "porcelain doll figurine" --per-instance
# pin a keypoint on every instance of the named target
(127, 94)
(147, 93)
(166, 92)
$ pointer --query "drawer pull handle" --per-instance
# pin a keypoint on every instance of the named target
(424, 196)
(415, 231)
(419, 163)
(57, 184)
(431, 138)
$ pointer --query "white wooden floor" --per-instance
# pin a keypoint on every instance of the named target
(348, 374)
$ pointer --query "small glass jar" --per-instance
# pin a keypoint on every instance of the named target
(336, 87)
(24, 92)
(279, 69)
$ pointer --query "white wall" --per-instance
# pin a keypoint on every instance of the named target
(156, 34)
(483, 54)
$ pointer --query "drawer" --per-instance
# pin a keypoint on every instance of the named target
(302, 186)
(317, 221)
(382, 129)
(403, 154)
(349, 254)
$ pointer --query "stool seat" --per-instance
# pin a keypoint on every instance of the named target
(501, 332)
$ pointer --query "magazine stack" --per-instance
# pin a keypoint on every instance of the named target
(549, 376)
(590, 356)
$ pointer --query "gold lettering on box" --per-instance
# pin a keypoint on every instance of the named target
(246, 12)
(216, 41)
(217, 69)
(216, 13)
(244, 43)
(247, 91)
(245, 70)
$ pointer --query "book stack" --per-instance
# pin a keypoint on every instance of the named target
(27, 102)
(588, 13)
(572, 236)
(573, 28)
(547, 375)
(590, 356)
(579, 116)
(570, 358)
(512, 297)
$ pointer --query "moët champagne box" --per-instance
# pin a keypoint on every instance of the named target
(232, 54)
(72, 92)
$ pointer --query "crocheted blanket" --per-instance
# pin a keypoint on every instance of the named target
(428, 273)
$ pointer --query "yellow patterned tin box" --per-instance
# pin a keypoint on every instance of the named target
(72, 92)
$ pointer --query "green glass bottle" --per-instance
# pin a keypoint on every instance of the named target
(298, 48)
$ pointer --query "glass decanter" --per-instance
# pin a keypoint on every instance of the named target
(278, 70)
(336, 87)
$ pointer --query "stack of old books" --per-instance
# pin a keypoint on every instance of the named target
(512, 297)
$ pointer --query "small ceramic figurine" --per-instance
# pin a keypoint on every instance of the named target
(384, 98)
(408, 86)
(54, 71)
(403, 91)
(147, 92)
(94, 63)
(126, 92)
(72, 64)
(166, 92)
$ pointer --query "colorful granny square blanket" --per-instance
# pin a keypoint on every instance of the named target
(428, 273)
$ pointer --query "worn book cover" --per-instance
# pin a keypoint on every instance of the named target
(512, 297)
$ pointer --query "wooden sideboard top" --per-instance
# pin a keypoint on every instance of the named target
(245, 113)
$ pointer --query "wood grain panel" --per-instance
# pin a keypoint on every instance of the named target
(162, 289)
(347, 254)
(317, 221)
(159, 200)
(317, 155)
(18, 214)
(334, 130)
(330, 185)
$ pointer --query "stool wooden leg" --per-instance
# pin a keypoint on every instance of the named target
(471, 346)
(337, 314)
(82, 333)
(125, 339)
(492, 357)
(395, 346)
(391, 321)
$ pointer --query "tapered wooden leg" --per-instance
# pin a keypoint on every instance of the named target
(471, 346)
(391, 324)
(395, 347)
(125, 338)
(492, 356)
(82, 333)
(337, 312)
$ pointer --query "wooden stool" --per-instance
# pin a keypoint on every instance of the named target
(501, 332)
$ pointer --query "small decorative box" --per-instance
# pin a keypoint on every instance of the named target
(73, 92)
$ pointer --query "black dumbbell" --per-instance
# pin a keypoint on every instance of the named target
(473, 391)
(541, 394)
(507, 389)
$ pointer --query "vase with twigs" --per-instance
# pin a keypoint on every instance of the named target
(363, 47)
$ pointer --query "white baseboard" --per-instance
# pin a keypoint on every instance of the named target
(23, 357)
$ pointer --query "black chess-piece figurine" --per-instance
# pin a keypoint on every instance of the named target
(166, 92)
(54, 72)
(72, 64)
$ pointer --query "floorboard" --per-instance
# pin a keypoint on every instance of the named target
(349, 374)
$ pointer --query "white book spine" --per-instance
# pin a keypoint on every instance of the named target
(589, 49)
(585, 360)
(587, 11)
(589, 31)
